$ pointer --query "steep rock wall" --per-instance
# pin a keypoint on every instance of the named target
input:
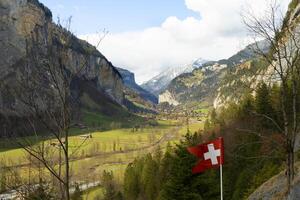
(20, 19)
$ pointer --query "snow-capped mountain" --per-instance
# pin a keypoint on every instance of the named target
(162, 80)
(216, 81)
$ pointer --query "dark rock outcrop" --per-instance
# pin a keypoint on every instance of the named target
(25, 24)
(21, 18)
(129, 81)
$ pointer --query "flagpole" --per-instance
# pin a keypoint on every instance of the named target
(221, 181)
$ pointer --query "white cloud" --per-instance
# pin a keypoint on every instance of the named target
(60, 6)
(217, 33)
(76, 8)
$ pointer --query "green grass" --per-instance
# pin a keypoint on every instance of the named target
(100, 121)
(95, 119)
(102, 142)
(93, 193)
(116, 140)
(192, 127)
(110, 150)
(202, 110)
(92, 120)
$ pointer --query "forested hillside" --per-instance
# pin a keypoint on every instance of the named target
(74, 127)
(256, 108)
(205, 83)
(251, 158)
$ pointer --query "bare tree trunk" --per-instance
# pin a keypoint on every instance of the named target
(56, 120)
(283, 58)
(290, 165)
(67, 184)
(295, 121)
(29, 170)
(61, 186)
(289, 151)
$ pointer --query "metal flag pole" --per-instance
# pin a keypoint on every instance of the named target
(221, 181)
(221, 167)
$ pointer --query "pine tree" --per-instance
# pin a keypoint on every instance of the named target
(181, 183)
(150, 178)
(213, 117)
(276, 103)
(110, 188)
(158, 155)
(263, 105)
(2, 179)
(206, 125)
(247, 106)
(165, 165)
(131, 182)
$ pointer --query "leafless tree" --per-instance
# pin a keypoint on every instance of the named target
(44, 98)
(281, 32)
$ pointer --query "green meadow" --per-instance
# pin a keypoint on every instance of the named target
(93, 193)
(94, 151)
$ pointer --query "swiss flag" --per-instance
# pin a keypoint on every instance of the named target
(211, 154)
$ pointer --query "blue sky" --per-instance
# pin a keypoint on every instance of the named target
(116, 15)
(150, 36)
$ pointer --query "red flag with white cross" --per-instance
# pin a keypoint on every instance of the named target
(210, 154)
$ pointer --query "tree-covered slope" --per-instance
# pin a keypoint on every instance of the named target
(203, 84)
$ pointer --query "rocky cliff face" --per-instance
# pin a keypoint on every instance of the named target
(195, 86)
(242, 79)
(168, 97)
(129, 82)
(245, 77)
(23, 22)
(215, 82)
(276, 188)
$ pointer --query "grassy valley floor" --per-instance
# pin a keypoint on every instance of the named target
(93, 151)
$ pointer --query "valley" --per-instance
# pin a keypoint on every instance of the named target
(96, 151)
(109, 116)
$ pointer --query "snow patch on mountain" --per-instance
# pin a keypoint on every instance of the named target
(162, 80)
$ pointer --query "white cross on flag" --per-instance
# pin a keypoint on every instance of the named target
(211, 154)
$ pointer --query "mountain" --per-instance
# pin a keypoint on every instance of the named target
(129, 82)
(203, 83)
(161, 81)
(31, 42)
(276, 188)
